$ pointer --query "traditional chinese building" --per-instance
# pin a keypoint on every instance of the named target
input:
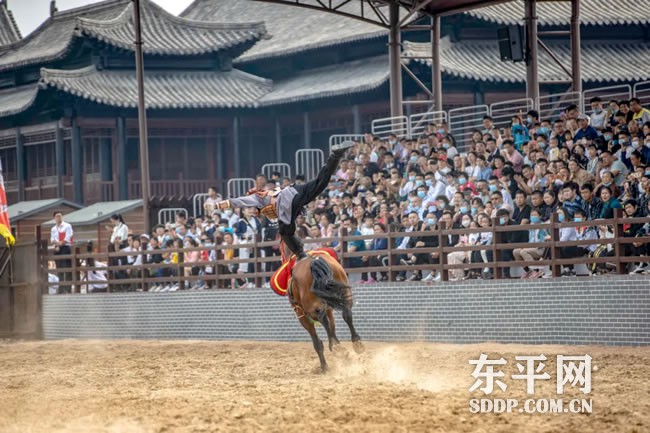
(233, 84)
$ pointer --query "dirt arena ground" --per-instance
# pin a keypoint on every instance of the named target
(192, 386)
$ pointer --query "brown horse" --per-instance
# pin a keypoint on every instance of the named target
(318, 286)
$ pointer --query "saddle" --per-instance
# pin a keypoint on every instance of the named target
(281, 277)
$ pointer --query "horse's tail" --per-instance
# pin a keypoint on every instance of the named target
(325, 286)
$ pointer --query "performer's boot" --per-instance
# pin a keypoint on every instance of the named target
(295, 245)
(338, 150)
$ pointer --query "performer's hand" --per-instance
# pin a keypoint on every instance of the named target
(252, 191)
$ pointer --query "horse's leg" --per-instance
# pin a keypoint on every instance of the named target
(330, 317)
(318, 345)
(356, 339)
(324, 320)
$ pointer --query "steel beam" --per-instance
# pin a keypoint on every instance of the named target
(532, 81)
(436, 71)
(575, 46)
(394, 60)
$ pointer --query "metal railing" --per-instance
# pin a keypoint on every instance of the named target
(642, 91)
(503, 111)
(464, 121)
(280, 167)
(168, 215)
(419, 122)
(618, 92)
(391, 125)
(309, 162)
(221, 272)
(551, 106)
(197, 204)
(239, 186)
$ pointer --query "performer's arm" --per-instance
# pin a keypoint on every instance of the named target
(246, 201)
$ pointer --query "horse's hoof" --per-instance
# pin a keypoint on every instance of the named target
(324, 369)
(358, 347)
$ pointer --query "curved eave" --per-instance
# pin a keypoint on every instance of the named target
(166, 91)
(17, 100)
(249, 58)
(165, 34)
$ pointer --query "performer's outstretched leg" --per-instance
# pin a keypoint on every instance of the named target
(312, 189)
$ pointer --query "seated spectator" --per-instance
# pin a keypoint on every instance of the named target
(571, 200)
(378, 244)
(531, 254)
(459, 257)
(191, 259)
(521, 213)
(636, 249)
(484, 238)
(510, 237)
(581, 233)
(590, 203)
(609, 203)
(586, 131)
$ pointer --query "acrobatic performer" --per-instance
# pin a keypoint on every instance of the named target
(286, 204)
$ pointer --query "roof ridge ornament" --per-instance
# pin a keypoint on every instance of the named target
(53, 8)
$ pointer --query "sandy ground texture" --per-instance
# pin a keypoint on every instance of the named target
(192, 386)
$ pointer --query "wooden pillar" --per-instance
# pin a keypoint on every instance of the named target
(21, 165)
(77, 164)
(235, 144)
(220, 156)
(105, 159)
(278, 140)
(356, 120)
(59, 150)
(307, 130)
(122, 172)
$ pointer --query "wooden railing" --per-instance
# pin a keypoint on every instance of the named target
(139, 277)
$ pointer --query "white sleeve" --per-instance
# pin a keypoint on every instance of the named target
(54, 235)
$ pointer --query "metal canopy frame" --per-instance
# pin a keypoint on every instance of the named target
(397, 16)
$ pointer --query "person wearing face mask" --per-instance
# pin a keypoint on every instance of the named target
(459, 257)
(599, 117)
(535, 235)
(409, 183)
(519, 132)
(645, 151)
(511, 237)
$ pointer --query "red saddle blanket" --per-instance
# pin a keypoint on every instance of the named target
(281, 277)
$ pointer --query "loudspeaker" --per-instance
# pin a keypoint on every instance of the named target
(510, 43)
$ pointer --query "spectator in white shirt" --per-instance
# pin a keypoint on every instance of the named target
(213, 198)
(61, 238)
(120, 230)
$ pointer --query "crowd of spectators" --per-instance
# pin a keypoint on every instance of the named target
(578, 167)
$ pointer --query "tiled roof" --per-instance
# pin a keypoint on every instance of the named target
(163, 33)
(52, 39)
(592, 12)
(9, 31)
(292, 29)
(23, 209)
(17, 99)
(602, 61)
(163, 89)
(98, 212)
(336, 80)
